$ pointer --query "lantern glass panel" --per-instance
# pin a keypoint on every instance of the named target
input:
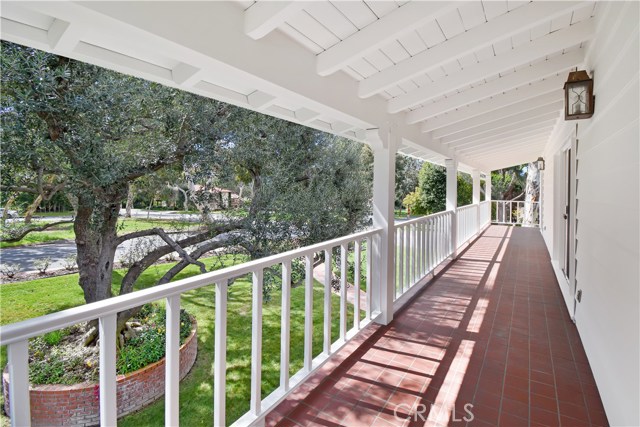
(578, 98)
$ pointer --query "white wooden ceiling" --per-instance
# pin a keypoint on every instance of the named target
(480, 81)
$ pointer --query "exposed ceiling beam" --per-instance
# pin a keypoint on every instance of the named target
(500, 28)
(402, 20)
(514, 58)
(262, 17)
(497, 86)
(524, 106)
(508, 123)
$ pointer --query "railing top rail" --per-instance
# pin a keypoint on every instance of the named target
(421, 218)
(50, 322)
(514, 201)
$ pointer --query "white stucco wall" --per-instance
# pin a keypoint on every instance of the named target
(607, 213)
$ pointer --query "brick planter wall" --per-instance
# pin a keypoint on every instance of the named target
(78, 405)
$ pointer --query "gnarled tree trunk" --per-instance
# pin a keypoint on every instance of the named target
(531, 195)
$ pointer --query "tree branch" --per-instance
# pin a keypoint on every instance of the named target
(183, 254)
(23, 233)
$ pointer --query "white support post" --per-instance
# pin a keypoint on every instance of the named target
(220, 356)
(172, 363)
(452, 203)
(19, 400)
(384, 144)
(487, 187)
(475, 178)
(108, 400)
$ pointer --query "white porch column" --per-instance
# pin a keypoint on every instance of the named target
(487, 187)
(475, 179)
(384, 144)
(452, 202)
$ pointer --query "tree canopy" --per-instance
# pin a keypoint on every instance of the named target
(93, 134)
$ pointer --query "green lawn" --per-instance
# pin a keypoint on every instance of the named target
(24, 300)
(125, 225)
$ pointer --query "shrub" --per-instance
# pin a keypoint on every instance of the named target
(42, 264)
(70, 262)
(53, 337)
(10, 270)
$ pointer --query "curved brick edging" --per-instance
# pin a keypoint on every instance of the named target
(78, 404)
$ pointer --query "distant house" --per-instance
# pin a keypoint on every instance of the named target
(221, 198)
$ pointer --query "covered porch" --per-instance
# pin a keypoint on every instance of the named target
(473, 86)
(490, 331)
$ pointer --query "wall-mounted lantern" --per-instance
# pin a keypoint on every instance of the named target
(540, 163)
(578, 96)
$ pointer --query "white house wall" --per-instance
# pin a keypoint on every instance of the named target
(607, 254)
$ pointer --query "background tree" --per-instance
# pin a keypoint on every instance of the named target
(407, 170)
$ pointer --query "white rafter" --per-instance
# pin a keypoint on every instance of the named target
(402, 20)
(497, 86)
(500, 28)
(489, 118)
(508, 123)
(262, 17)
(522, 55)
(517, 142)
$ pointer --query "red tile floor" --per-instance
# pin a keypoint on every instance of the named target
(489, 342)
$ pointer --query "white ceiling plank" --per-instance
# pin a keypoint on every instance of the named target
(508, 129)
(327, 14)
(412, 43)
(523, 55)
(526, 152)
(401, 21)
(305, 115)
(539, 138)
(381, 8)
(451, 24)
(536, 94)
(395, 51)
(379, 60)
(472, 14)
(554, 108)
(546, 101)
(431, 34)
(262, 17)
(500, 85)
(475, 39)
(531, 131)
(494, 8)
(357, 12)
(185, 74)
(310, 27)
(301, 38)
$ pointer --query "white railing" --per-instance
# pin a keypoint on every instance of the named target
(16, 335)
(485, 213)
(467, 223)
(512, 212)
(420, 245)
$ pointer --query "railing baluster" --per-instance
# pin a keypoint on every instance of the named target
(285, 325)
(356, 284)
(407, 257)
(19, 400)
(255, 405)
(343, 291)
(172, 363)
(220, 356)
(428, 246)
(414, 254)
(308, 313)
(327, 302)
(400, 265)
(108, 401)
(369, 297)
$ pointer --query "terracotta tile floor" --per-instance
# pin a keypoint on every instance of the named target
(490, 337)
